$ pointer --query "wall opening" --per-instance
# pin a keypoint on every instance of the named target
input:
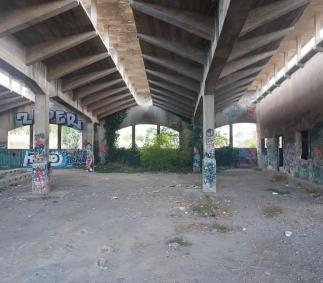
(71, 138)
(53, 136)
(264, 146)
(222, 135)
(305, 135)
(244, 135)
(280, 151)
(19, 138)
(124, 137)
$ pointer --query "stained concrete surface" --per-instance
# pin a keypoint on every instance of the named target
(116, 228)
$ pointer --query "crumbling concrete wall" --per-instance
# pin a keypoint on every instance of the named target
(295, 106)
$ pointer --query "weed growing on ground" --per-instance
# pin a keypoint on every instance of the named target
(209, 207)
(280, 178)
(257, 168)
(222, 228)
(179, 241)
(272, 210)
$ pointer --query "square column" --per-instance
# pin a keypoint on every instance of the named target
(88, 145)
(209, 163)
(40, 171)
(133, 136)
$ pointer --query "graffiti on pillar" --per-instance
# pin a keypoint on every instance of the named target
(40, 177)
(209, 164)
(40, 149)
(59, 117)
(89, 156)
(209, 143)
(209, 174)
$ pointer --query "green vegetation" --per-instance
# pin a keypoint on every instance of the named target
(222, 228)
(209, 207)
(272, 210)
(220, 140)
(179, 241)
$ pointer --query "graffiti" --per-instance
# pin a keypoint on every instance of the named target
(58, 158)
(209, 144)
(40, 177)
(59, 117)
(3, 145)
(39, 147)
(246, 158)
(240, 112)
(89, 157)
(209, 174)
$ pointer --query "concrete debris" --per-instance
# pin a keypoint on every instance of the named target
(288, 233)
(115, 198)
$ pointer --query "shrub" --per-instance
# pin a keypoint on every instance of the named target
(126, 156)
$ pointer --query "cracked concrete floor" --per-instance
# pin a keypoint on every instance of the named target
(117, 228)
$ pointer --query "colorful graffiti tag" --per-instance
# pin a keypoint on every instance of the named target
(246, 158)
(59, 117)
(40, 178)
(209, 163)
(58, 158)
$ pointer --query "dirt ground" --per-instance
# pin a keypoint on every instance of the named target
(161, 228)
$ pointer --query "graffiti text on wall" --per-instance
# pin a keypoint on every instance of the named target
(59, 117)
(58, 158)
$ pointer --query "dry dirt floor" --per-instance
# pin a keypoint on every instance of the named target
(162, 228)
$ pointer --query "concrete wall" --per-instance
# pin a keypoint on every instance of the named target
(295, 106)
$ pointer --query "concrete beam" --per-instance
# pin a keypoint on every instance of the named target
(171, 109)
(235, 66)
(197, 24)
(177, 80)
(103, 103)
(116, 105)
(244, 47)
(244, 82)
(268, 13)
(76, 82)
(23, 17)
(14, 105)
(60, 70)
(55, 46)
(238, 76)
(186, 51)
(180, 68)
(171, 101)
(229, 22)
(123, 107)
(173, 88)
(172, 106)
(88, 90)
(171, 97)
(11, 99)
(101, 95)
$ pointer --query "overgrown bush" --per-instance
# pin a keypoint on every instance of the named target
(126, 156)
(161, 156)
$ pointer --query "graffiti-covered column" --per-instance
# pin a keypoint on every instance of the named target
(209, 163)
(197, 142)
(88, 145)
(40, 173)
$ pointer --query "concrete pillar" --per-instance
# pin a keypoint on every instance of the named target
(59, 136)
(31, 136)
(3, 138)
(40, 172)
(133, 137)
(185, 138)
(88, 145)
(209, 163)
(197, 143)
(158, 130)
(231, 135)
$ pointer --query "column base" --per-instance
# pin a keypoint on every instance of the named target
(209, 175)
(40, 178)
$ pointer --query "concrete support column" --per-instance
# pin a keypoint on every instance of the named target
(40, 172)
(59, 136)
(197, 144)
(231, 135)
(133, 137)
(31, 136)
(158, 130)
(209, 163)
(3, 139)
(88, 144)
(185, 138)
